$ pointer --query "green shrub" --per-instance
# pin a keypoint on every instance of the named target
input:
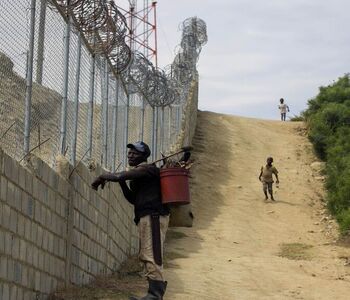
(343, 219)
(296, 118)
(328, 118)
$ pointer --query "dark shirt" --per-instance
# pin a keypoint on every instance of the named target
(144, 192)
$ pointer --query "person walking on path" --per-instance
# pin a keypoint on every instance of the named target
(284, 108)
(151, 216)
(266, 177)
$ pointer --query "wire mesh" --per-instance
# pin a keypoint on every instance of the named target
(113, 96)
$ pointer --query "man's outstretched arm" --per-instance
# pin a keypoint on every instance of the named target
(119, 177)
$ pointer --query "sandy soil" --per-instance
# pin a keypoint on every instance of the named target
(242, 247)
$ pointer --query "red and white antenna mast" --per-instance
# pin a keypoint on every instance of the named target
(142, 36)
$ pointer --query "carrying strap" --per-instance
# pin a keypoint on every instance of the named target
(156, 239)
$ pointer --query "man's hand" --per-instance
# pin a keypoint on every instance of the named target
(97, 182)
(277, 181)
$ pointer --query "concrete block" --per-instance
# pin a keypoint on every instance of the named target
(8, 243)
(51, 199)
(22, 178)
(37, 211)
(10, 193)
(53, 180)
(37, 280)
(45, 239)
(34, 235)
(17, 271)
(10, 168)
(36, 188)
(15, 247)
(63, 187)
(43, 193)
(22, 250)
(39, 238)
(30, 255)
(47, 263)
(13, 220)
(45, 171)
(31, 278)
(1, 163)
(20, 293)
(3, 187)
(5, 291)
(62, 246)
(50, 245)
(5, 219)
(2, 241)
(3, 267)
(13, 293)
(27, 229)
(17, 198)
(10, 270)
(21, 226)
(41, 258)
(24, 281)
(29, 206)
(29, 182)
(59, 200)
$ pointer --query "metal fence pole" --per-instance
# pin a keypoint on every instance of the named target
(177, 118)
(115, 126)
(126, 128)
(155, 132)
(29, 83)
(41, 40)
(170, 127)
(91, 106)
(63, 130)
(142, 120)
(162, 129)
(76, 104)
(105, 114)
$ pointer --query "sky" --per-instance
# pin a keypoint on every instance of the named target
(257, 51)
(261, 51)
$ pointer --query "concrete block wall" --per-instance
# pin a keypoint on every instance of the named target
(54, 231)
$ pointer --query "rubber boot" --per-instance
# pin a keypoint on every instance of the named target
(156, 290)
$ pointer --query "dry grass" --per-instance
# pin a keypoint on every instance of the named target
(125, 282)
(295, 251)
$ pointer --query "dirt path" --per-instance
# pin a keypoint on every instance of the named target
(242, 247)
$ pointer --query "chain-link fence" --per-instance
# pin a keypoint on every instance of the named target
(70, 85)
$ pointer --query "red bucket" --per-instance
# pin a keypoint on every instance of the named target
(174, 186)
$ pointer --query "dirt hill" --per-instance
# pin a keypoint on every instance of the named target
(243, 247)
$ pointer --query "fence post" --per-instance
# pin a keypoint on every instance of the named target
(115, 126)
(105, 114)
(29, 81)
(155, 131)
(91, 106)
(126, 128)
(76, 103)
(63, 130)
(41, 39)
(142, 119)
(170, 127)
(162, 129)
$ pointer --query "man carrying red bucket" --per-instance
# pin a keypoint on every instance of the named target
(151, 216)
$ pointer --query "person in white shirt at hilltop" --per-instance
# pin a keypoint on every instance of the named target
(283, 107)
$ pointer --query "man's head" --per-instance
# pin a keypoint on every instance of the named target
(281, 100)
(269, 161)
(138, 153)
